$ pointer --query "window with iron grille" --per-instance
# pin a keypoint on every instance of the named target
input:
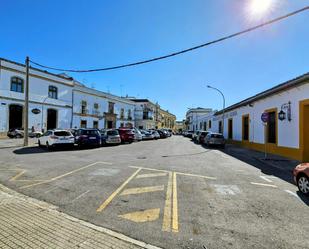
(209, 124)
(121, 113)
(52, 92)
(17, 84)
(111, 107)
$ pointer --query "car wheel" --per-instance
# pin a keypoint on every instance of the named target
(39, 143)
(303, 184)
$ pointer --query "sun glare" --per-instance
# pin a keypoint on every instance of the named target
(260, 8)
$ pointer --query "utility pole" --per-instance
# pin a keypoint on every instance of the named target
(26, 107)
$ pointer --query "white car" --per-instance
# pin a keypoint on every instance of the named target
(53, 138)
(137, 135)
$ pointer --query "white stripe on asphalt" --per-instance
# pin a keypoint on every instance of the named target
(266, 179)
(81, 195)
(292, 193)
(263, 184)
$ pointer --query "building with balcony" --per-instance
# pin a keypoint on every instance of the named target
(96, 109)
(165, 119)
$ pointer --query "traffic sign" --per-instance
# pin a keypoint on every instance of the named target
(265, 117)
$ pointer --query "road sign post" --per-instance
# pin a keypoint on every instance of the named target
(264, 118)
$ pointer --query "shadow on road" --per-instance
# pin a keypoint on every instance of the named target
(37, 150)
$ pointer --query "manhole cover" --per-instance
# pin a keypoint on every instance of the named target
(142, 157)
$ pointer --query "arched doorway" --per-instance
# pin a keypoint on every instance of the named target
(51, 119)
(15, 116)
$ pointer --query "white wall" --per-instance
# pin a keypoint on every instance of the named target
(288, 131)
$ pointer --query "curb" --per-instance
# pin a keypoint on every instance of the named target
(52, 208)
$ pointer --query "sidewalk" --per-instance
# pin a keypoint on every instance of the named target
(15, 142)
(274, 161)
(29, 223)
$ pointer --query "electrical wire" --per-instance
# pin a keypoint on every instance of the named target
(178, 52)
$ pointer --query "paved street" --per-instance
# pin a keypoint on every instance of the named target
(170, 193)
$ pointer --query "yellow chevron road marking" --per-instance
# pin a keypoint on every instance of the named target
(142, 216)
(132, 191)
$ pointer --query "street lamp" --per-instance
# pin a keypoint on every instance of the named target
(223, 105)
(43, 113)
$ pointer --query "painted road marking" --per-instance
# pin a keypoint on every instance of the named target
(63, 175)
(226, 189)
(292, 193)
(151, 175)
(263, 184)
(51, 189)
(175, 205)
(166, 227)
(131, 191)
(19, 174)
(178, 173)
(142, 216)
(112, 196)
(81, 195)
(266, 179)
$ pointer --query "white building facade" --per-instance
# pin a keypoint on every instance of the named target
(193, 117)
(50, 98)
(96, 109)
(286, 131)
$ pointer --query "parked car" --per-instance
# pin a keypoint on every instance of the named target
(162, 134)
(147, 135)
(301, 177)
(189, 134)
(126, 135)
(88, 137)
(137, 134)
(110, 136)
(19, 133)
(214, 139)
(195, 135)
(53, 138)
(155, 134)
(201, 137)
(15, 133)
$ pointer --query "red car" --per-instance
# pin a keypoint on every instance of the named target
(126, 135)
(301, 177)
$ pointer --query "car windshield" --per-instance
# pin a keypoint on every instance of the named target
(62, 133)
(112, 133)
(89, 132)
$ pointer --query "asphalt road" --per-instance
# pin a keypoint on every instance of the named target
(170, 193)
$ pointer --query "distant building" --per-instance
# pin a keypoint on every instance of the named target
(193, 115)
(96, 109)
(165, 119)
(180, 126)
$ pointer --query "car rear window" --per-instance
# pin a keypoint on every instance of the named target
(89, 132)
(62, 133)
(216, 136)
(112, 133)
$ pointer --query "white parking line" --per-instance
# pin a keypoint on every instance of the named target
(292, 193)
(266, 179)
(81, 195)
(263, 184)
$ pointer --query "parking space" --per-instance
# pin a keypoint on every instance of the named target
(170, 193)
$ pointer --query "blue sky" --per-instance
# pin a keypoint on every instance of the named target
(90, 34)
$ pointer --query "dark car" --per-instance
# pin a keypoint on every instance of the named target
(189, 134)
(110, 137)
(162, 134)
(201, 137)
(126, 135)
(216, 139)
(88, 137)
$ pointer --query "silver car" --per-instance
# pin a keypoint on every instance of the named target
(214, 139)
(110, 136)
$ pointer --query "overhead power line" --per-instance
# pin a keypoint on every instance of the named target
(178, 52)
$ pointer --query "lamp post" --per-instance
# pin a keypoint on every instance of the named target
(42, 129)
(223, 105)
